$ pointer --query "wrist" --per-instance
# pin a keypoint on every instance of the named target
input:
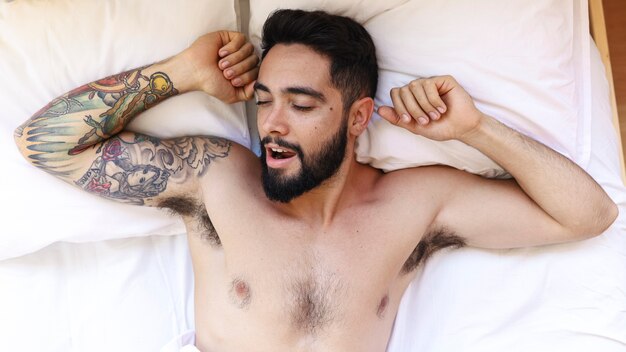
(478, 131)
(179, 72)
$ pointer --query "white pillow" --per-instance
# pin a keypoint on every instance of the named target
(360, 10)
(518, 59)
(49, 48)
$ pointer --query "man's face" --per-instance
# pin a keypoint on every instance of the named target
(140, 177)
(301, 124)
(146, 180)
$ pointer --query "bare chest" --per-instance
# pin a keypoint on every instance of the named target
(262, 278)
(330, 287)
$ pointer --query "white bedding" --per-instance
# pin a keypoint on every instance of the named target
(135, 294)
(117, 295)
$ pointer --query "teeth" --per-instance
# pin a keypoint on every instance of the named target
(278, 150)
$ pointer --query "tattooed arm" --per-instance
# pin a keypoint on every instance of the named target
(80, 138)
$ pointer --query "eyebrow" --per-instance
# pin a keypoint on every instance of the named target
(294, 90)
(261, 86)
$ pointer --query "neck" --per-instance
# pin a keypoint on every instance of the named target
(320, 205)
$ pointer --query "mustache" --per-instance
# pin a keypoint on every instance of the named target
(281, 143)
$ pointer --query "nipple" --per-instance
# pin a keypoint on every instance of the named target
(242, 289)
(240, 293)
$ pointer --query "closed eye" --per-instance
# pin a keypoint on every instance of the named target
(302, 108)
(262, 102)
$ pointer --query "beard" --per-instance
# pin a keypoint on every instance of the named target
(314, 169)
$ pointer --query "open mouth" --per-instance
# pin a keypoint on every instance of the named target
(279, 153)
(279, 157)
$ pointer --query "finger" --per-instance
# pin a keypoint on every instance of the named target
(433, 97)
(234, 58)
(417, 90)
(398, 106)
(247, 92)
(245, 78)
(444, 84)
(246, 65)
(413, 106)
(233, 40)
(405, 119)
(389, 114)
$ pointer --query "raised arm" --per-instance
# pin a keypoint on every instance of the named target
(551, 199)
(80, 138)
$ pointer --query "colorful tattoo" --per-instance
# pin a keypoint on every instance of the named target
(19, 132)
(133, 171)
(91, 116)
(132, 100)
(53, 130)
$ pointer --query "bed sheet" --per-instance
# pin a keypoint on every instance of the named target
(125, 295)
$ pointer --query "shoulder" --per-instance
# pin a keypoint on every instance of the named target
(230, 155)
(237, 172)
(426, 189)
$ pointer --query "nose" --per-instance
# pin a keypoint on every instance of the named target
(273, 121)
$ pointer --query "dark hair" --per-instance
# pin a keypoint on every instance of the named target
(352, 54)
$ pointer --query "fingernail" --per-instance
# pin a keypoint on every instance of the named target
(223, 53)
(422, 120)
(433, 115)
(225, 64)
(236, 81)
(406, 118)
(229, 73)
(441, 110)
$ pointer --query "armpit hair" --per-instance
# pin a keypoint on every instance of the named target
(189, 207)
(208, 232)
(184, 206)
(433, 241)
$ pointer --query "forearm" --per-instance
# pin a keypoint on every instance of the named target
(95, 112)
(560, 187)
(98, 110)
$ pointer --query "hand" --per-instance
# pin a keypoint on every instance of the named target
(224, 65)
(437, 108)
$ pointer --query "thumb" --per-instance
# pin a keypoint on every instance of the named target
(388, 113)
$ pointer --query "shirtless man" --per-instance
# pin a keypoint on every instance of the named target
(304, 249)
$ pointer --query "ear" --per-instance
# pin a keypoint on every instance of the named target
(360, 114)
